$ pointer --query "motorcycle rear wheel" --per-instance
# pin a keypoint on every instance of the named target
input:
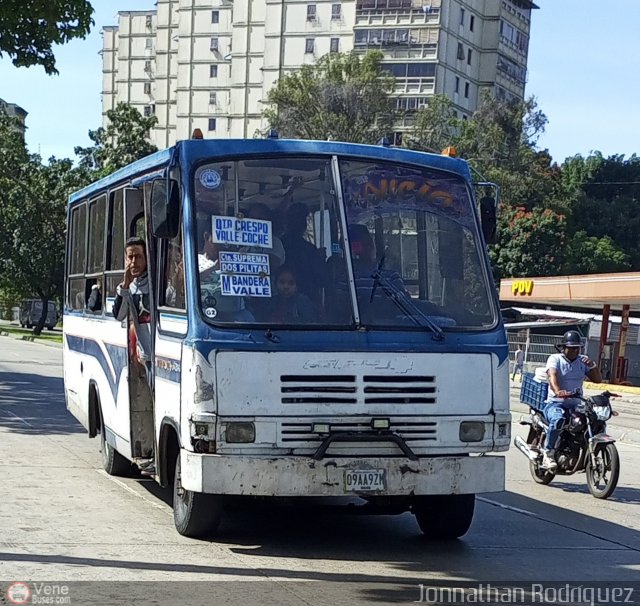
(602, 480)
(540, 475)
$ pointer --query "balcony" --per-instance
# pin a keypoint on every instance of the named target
(396, 17)
(416, 85)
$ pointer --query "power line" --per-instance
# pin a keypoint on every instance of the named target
(611, 183)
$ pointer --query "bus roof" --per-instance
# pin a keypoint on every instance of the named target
(197, 150)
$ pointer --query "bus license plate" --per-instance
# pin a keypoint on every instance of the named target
(364, 480)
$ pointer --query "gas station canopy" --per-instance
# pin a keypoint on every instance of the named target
(582, 291)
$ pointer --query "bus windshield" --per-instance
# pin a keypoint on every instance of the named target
(303, 241)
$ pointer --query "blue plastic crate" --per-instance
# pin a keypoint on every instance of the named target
(533, 393)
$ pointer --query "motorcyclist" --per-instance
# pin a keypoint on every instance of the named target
(566, 372)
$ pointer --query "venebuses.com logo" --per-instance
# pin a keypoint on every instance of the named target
(18, 593)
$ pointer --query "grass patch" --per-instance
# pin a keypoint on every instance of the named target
(17, 332)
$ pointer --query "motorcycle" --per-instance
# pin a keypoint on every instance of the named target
(583, 445)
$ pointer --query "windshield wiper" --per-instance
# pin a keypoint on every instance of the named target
(403, 302)
(376, 276)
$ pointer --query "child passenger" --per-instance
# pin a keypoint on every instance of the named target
(290, 306)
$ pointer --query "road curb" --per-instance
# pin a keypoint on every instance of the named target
(30, 339)
(630, 389)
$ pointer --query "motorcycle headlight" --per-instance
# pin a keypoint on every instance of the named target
(603, 413)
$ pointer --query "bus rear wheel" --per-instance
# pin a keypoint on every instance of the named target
(444, 517)
(195, 514)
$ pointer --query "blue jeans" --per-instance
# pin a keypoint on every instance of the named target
(555, 413)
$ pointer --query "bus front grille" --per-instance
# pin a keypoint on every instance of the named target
(352, 389)
(300, 434)
(318, 389)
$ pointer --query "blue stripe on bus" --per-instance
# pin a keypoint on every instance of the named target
(117, 355)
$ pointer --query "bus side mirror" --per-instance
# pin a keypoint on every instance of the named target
(165, 208)
(488, 219)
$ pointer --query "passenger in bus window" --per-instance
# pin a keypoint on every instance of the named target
(132, 298)
(303, 257)
(174, 294)
(290, 306)
(95, 298)
(365, 262)
(132, 304)
(276, 254)
(210, 250)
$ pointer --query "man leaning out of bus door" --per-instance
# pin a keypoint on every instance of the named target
(132, 304)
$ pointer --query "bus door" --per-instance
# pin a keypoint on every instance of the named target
(171, 327)
(135, 394)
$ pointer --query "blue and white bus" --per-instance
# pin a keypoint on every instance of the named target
(323, 321)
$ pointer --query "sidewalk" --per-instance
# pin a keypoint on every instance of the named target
(625, 427)
(12, 330)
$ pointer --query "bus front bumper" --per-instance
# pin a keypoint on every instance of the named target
(300, 476)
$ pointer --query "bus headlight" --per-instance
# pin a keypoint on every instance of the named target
(471, 431)
(240, 432)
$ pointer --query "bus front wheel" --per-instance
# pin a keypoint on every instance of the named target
(195, 514)
(444, 517)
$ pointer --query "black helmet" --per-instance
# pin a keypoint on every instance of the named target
(571, 338)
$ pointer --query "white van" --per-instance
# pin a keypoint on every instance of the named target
(31, 311)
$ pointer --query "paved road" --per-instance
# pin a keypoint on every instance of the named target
(63, 519)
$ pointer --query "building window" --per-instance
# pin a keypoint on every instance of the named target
(147, 88)
(336, 12)
(212, 123)
(469, 53)
(148, 43)
(213, 71)
(461, 16)
(147, 66)
(335, 45)
(213, 98)
(149, 21)
(149, 110)
(215, 16)
(472, 21)
(460, 51)
(214, 45)
(309, 45)
(457, 84)
(311, 12)
(466, 90)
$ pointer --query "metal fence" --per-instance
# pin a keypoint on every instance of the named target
(537, 348)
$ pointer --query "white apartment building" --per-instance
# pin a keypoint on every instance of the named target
(15, 111)
(210, 64)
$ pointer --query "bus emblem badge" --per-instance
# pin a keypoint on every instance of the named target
(210, 179)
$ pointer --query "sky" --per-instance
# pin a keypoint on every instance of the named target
(582, 70)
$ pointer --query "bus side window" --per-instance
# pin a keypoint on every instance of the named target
(172, 290)
(96, 254)
(115, 248)
(77, 258)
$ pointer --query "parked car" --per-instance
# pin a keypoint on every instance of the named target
(31, 310)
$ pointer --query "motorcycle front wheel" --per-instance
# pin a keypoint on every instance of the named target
(539, 474)
(602, 478)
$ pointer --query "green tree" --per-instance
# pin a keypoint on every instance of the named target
(33, 200)
(436, 125)
(344, 97)
(124, 140)
(530, 243)
(589, 255)
(499, 140)
(607, 201)
(29, 29)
